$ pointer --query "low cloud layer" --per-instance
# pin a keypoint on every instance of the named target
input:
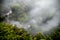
(43, 14)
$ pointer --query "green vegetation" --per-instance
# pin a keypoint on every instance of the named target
(9, 32)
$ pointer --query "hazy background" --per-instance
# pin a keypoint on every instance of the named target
(33, 15)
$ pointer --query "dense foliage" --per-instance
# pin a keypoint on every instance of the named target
(9, 32)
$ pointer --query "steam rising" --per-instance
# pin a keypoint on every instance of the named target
(43, 15)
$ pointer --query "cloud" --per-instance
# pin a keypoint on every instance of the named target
(44, 14)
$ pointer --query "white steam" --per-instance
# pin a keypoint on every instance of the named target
(43, 15)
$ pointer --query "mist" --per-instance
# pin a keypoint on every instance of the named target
(43, 15)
